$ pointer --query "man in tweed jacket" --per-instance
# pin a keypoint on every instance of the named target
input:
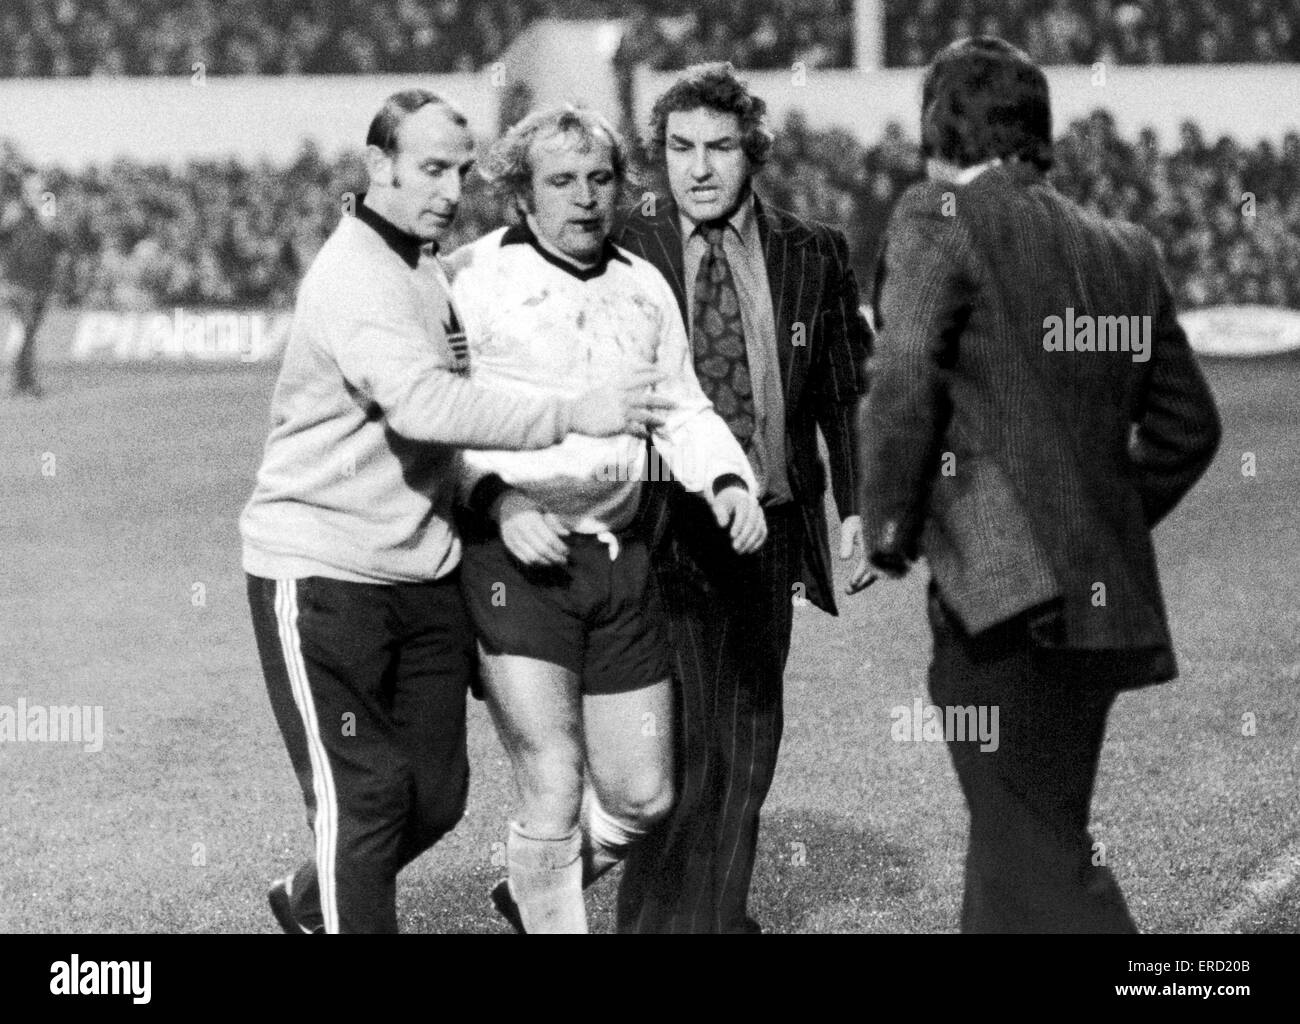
(1035, 411)
(730, 617)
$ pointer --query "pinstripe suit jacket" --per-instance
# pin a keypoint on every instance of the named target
(823, 343)
(1029, 478)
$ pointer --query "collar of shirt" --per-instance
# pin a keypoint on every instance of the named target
(968, 174)
(405, 244)
(522, 234)
(743, 221)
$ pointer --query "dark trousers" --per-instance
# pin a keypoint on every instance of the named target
(1030, 862)
(368, 684)
(729, 623)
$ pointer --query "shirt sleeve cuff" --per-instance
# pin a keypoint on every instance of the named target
(485, 494)
(729, 480)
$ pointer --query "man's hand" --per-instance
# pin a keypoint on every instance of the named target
(867, 571)
(737, 507)
(624, 407)
(851, 538)
(850, 541)
(531, 535)
(862, 577)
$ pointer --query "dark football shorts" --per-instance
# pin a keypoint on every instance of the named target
(598, 617)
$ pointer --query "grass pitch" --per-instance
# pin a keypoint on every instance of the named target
(121, 588)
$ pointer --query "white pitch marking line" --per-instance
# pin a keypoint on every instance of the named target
(1261, 890)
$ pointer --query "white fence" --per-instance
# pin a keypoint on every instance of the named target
(74, 122)
(1248, 102)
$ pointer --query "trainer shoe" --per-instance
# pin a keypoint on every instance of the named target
(281, 899)
(504, 902)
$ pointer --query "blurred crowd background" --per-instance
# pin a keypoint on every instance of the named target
(269, 37)
(1114, 31)
(235, 234)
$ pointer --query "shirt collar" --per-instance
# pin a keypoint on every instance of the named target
(969, 174)
(522, 234)
(965, 175)
(405, 244)
(741, 220)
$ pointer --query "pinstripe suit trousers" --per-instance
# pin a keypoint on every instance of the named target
(729, 628)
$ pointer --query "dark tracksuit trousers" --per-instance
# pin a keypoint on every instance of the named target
(368, 683)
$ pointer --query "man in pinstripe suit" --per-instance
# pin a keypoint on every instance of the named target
(1029, 472)
(771, 303)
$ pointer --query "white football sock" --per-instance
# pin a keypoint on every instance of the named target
(546, 882)
(606, 838)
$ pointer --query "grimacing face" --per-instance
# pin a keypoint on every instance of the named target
(707, 168)
(421, 182)
(574, 193)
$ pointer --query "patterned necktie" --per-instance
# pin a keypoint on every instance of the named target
(718, 339)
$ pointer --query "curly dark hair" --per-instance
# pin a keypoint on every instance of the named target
(983, 98)
(716, 87)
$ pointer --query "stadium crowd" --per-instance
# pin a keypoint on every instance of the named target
(1113, 31)
(59, 38)
(231, 234)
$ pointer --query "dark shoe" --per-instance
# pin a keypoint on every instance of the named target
(282, 908)
(506, 906)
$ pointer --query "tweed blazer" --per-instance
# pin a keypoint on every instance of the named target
(1028, 468)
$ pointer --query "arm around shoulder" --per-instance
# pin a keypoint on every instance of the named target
(383, 349)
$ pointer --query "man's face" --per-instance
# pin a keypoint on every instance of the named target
(707, 168)
(574, 192)
(422, 181)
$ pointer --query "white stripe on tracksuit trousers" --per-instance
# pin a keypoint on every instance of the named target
(326, 821)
